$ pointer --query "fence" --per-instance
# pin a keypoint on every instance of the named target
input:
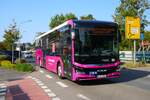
(140, 56)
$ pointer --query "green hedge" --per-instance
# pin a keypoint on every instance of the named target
(24, 67)
(7, 64)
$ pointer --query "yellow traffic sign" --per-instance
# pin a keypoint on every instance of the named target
(132, 28)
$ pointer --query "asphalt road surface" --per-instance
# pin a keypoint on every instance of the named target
(132, 85)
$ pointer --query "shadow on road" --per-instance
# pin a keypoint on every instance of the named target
(126, 76)
(16, 93)
(131, 74)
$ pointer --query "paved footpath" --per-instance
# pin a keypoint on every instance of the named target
(25, 89)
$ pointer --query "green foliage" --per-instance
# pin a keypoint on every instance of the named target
(147, 35)
(18, 61)
(59, 19)
(12, 34)
(4, 57)
(87, 17)
(24, 67)
(134, 8)
(2, 46)
(7, 64)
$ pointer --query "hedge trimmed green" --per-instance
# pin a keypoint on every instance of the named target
(24, 67)
(7, 64)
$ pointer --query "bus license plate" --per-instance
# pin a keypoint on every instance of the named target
(101, 76)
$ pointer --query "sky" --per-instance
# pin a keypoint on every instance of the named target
(34, 15)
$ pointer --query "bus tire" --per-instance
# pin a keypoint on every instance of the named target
(59, 70)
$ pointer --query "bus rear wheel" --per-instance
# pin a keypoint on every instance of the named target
(59, 71)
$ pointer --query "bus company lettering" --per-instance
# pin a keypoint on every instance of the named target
(51, 60)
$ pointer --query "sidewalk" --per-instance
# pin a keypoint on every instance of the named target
(25, 89)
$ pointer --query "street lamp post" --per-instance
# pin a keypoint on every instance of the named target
(19, 41)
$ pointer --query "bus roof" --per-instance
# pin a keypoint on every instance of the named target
(95, 23)
(81, 22)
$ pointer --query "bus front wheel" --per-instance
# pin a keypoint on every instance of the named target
(59, 71)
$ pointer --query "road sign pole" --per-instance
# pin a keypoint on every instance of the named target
(134, 57)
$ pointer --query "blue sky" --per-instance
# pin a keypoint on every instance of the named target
(40, 12)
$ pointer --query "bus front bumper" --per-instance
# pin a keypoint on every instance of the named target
(95, 77)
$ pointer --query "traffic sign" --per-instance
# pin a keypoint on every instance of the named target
(132, 28)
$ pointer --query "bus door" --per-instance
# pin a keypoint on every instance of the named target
(66, 56)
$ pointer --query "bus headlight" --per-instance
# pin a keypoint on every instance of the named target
(80, 71)
(113, 60)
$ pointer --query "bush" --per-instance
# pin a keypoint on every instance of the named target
(18, 61)
(3, 57)
(7, 64)
(24, 67)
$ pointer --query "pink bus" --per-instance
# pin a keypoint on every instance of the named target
(80, 50)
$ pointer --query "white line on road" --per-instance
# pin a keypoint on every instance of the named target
(36, 79)
(40, 84)
(41, 71)
(33, 78)
(2, 84)
(51, 94)
(48, 76)
(83, 97)
(47, 90)
(56, 98)
(62, 84)
(44, 87)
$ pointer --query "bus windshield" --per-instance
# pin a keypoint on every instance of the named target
(96, 45)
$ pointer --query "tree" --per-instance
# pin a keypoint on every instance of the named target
(2, 47)
(87, 17)
(59, 19)
(12, 35)
(134, 8)
(147, 35)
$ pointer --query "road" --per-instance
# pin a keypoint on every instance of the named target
(133, 84)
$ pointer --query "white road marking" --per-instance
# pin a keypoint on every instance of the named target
(33, 78)
(2, 84)
(36, 79)
(48, 76)
(56, 98)
(44, 87)
(40, 84)
(41, 71)
(51, 94)
(62, 84)
(83, 97)
(47, 90)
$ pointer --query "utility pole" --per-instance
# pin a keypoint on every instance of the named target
(19, 41)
